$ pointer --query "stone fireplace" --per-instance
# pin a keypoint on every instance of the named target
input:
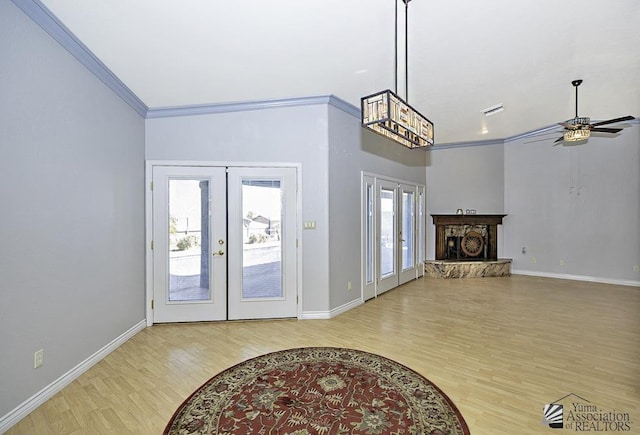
(467, 246)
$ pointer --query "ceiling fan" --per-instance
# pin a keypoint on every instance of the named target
(580, 128)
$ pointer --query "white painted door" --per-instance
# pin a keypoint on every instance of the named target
(407, 235)
(368, 248)
(386, 235)
(421, 225)
(262, 243)
(224, 243)
(189, 244)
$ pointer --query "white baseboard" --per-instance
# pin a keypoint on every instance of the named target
(22, 410)
(577, 277)
(308, 315)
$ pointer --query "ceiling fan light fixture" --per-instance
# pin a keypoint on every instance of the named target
(577, 135)
(579, 128)
(579, 121)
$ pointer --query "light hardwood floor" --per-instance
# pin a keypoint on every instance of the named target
(500, 348)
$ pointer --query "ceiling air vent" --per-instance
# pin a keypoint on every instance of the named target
(493, 110)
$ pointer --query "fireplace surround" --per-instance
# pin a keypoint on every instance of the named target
(467, 246)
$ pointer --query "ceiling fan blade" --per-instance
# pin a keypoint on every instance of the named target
(611, 121)
(561, 138)
(606, 130)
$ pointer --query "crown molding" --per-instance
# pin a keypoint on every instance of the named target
(446, 146)
(44, 18)
(529, 134)
(534, 133)
(203, 109)
(346, 107)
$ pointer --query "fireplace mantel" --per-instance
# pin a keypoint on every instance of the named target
(467, 219)
(488, 237)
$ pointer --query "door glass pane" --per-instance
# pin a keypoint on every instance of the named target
(407, 229)
(369, 234)
(188, 240)
(387, 232)
(421, 224)
(262, 244)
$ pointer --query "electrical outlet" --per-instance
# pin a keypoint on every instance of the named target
(38, 358)
(349, 285)
(534, 260)
(636, 268)
(561, 262)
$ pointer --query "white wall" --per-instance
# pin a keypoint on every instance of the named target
(281, 134)
(468, 178)
(576, 204)
(72, 220)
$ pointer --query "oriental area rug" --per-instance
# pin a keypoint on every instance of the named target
(318, 390)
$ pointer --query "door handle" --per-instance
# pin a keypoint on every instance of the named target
(220, 252)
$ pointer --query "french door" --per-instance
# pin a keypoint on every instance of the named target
(224, 243)
(262, 243)
(407, 235)
(393, 231)
(387, 248)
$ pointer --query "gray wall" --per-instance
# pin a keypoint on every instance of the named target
(352, 150)
(468, 178)
(72, 221)
(284, 135)
(332, 149)
(577, 204)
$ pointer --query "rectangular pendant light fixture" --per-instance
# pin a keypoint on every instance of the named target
(389, 115)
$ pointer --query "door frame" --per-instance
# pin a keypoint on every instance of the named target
(373, 179)
(149, 164)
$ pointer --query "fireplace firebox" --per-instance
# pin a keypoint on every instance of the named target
(472, 237)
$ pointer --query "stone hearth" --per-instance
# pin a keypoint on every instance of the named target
(467, 269)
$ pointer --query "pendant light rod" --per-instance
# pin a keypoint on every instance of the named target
(406, 50)
(395, 52)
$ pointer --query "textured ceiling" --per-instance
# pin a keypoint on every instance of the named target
(464, 55)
